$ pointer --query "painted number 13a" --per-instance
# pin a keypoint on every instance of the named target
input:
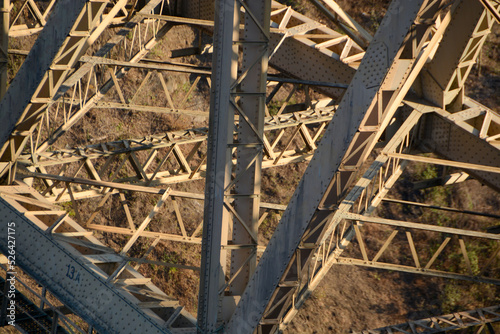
(72, 274)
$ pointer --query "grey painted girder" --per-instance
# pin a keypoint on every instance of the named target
(389, 67)
(221, 119)
(45, 251)
(71, 29)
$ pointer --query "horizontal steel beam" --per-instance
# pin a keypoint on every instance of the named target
(442, 162)
(438, 207)
(419, 226)
(444, 323)
(414, 270)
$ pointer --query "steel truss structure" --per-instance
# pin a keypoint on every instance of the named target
(284, 89)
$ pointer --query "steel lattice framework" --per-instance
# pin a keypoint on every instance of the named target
(284, 88)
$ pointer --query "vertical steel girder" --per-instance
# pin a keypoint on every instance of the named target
(249, 100)
(245, 96)
(390, 65)
(4, 45)
(215, 218)
(73, 27)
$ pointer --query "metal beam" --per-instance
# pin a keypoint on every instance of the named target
(73, 27)
(388, 69)
(215, 233)
(344, 21)
(280, 131)
(249, 99)
(450, 163)
(85, 288)
(296, 54)
(417, 271)
(36, 110)
(29, 10)
(419, 226)
(444, 323)
(460, 136)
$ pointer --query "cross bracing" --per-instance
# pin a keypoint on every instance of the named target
(413, 71)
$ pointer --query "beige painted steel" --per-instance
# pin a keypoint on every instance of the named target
(73, 28)
(250, 98)
(365, 110)
(344, 21)
(295, 53)
(145, 45)
(474, 128)
(142, 170)
(33, 10)
(25, 129)
(464, 138)
(72, 246)
(445, 75)
(219, 169)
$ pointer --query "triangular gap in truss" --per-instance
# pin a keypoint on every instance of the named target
(119, 92)
(473, 48)
(188, 214)
(356, 248)
(281, 16)
(340, 45)
(268, 220)
(103, 210)
(126, 168)
(165, 163)
(28, 16)
(486, 21)
(159, 91)
(287, 142)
